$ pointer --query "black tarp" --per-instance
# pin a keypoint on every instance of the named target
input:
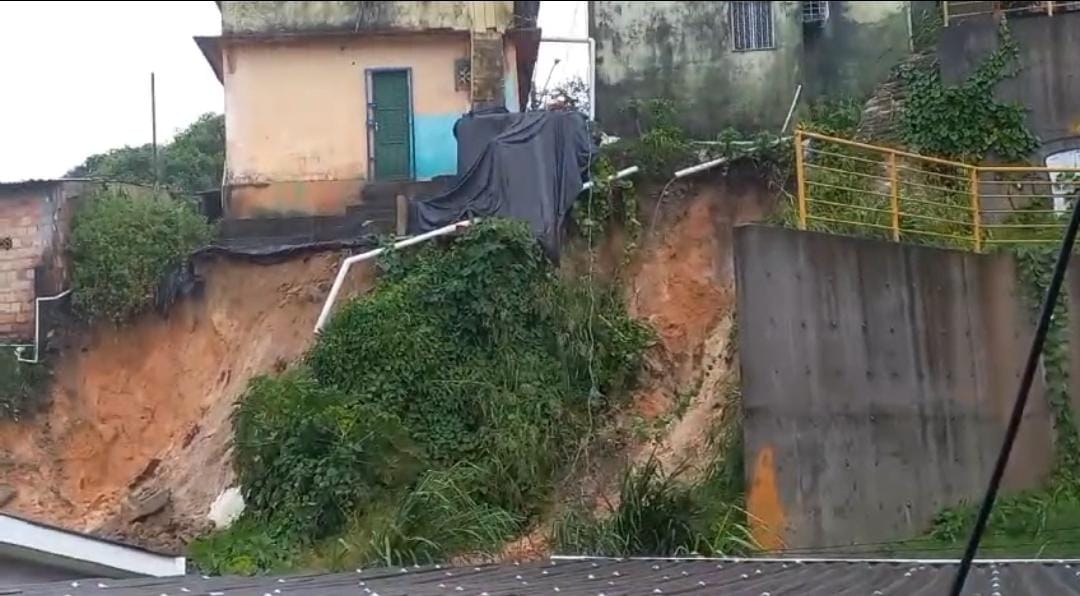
(532, 170)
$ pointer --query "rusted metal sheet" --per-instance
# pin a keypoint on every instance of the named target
(877, 383)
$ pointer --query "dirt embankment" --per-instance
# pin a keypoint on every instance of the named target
(682, 281)
(139, 427)
(136, 442)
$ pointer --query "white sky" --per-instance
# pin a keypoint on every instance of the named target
(76, 75)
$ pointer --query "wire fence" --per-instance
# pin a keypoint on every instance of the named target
(855, 188)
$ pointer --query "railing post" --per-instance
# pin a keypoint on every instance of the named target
(945, 13)
(1050, 8)
(976, 212)
(894, 196)
(800, 178)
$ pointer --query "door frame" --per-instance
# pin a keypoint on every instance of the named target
(369, 92)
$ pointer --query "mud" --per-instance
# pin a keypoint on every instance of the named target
(145, 408)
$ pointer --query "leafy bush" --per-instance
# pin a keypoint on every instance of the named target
(23, 387)
(660, 514)
(249, 546)
(965, 121)
(441, 517)
(472, 353)
(310, 454)
(465, 341)
(123, 245)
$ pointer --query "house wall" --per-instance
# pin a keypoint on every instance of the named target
(306, 17)
(854, 50)
(1048, 81)
(296, 117)
(877, 382)
(36, 218)
(20, 228)
(683, 51)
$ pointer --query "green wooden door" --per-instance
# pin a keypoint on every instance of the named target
(391, 124)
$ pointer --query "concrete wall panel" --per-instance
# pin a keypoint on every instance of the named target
(877, 382)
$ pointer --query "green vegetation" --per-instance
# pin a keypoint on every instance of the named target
(665, 513)
(23, 387)
(192, 162)
(965, 122)
(122, 246)
(433, 415)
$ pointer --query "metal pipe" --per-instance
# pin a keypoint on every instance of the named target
(791, 109)
(37, 329)
(623, 173)
(592, 66)
(349, 262)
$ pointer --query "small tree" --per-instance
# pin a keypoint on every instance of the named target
(569, 95)
(122, 246)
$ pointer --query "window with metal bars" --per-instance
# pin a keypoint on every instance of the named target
(752, 26)
(815, 12)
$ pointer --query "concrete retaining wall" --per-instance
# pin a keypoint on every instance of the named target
(877, 383)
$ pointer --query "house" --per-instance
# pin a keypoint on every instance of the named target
(738, 64)
(1047, 81)
(35, 217)
(32, 552)
(323, 99)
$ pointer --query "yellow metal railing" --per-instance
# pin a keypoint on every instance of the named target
(955, 11)
(844, 186)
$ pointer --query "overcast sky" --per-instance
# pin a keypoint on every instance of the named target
(76, 75)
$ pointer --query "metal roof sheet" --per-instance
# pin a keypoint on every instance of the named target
(610, 577)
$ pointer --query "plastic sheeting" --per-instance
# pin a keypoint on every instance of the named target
(529, 166)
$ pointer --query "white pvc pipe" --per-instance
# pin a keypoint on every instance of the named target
(335, 289)
(791, 110)
(37, 328)
(328, 306)
(623, 173)
(715, 162)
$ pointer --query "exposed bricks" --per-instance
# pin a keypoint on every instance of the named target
(25, 230)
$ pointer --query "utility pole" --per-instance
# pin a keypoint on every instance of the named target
(153, 130)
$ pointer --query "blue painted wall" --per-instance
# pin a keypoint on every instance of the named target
(435, 145)
(510, 89)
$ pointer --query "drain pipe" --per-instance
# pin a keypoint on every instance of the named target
(349, 262)
(37, 329)
(335, 289)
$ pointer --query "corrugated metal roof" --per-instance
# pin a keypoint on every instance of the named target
(610, 577)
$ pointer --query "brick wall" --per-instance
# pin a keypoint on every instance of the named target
(25, 233)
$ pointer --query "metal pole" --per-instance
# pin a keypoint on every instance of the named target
(153, 129)
(976, 212)
(800, 178)
(894, 197)
(1011, 431)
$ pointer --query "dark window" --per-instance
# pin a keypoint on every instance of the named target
(752, 25)
(815, 12)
